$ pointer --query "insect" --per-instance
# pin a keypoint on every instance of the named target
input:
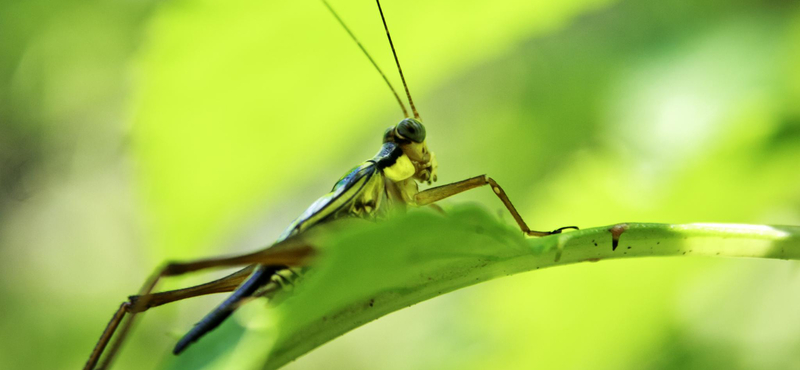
(389, 180)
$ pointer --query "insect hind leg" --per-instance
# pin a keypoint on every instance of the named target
(108, 332)
(290, 252)
(226, 284)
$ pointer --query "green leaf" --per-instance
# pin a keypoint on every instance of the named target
(370, 270)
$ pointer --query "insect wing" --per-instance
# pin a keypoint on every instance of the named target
(346, 190)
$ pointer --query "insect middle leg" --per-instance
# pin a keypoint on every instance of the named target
(289, 252)
(445, 191)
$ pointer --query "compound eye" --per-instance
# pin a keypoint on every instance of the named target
(411, 129)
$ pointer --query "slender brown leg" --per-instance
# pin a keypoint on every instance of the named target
(441, 192)
(289, 252)
(226, 284)
(107, 333)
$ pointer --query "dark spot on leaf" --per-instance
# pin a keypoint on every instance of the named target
(629, 247)
(616, 232)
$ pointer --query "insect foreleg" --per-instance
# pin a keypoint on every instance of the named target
(441, 192)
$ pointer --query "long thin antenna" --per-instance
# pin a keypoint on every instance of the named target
(410, 102)
(352, 36)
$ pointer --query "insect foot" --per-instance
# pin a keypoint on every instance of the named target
(560, 229)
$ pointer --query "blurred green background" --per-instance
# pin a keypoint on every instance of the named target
(132, 132)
